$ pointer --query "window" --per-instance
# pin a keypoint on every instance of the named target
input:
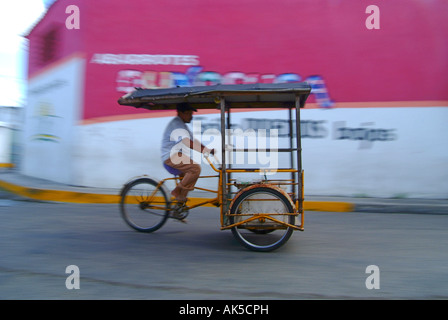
(50, 46)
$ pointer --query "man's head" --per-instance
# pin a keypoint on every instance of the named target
(185, 112)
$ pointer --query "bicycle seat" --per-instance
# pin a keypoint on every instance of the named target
(172, 170)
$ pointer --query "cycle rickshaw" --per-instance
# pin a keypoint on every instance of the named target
(262, 215)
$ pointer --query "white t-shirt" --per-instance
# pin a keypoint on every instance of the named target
(175, 131)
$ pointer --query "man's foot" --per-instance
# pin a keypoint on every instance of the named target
(178, 217)
(179, 212)
(177, 195)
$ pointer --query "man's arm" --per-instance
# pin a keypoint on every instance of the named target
(197, 146)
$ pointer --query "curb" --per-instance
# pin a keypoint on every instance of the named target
(58, 195)
(409, 208)
(7, 165)
(103, 198)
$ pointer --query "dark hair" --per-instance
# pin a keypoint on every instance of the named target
(182, 107)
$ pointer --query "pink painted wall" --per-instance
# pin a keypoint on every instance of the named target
(405, 60)
(67, 42)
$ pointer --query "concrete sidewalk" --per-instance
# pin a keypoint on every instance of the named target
(19, 186)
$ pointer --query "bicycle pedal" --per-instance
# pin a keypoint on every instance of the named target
(180, 216)
(179, 206)
(181, 220)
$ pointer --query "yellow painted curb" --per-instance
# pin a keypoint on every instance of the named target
(331, 206)
(82, 197)
(59, 195)
(7, 165)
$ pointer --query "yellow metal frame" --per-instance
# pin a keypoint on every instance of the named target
(224, 210)
(225, 98)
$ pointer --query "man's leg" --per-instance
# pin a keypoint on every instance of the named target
(191, 171)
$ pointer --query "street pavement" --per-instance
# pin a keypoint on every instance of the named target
(404, 238)
(331, 259)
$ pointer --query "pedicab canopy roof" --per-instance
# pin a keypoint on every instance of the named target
(278, 95)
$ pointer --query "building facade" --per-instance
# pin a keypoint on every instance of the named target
(374, 125)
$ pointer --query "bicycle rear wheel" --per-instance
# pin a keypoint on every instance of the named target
(262, 234)
(144, 206)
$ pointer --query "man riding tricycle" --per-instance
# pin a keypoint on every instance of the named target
(261, 214)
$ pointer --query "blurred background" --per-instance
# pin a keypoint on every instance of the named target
(375, 124)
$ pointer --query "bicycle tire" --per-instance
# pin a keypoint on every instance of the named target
(144, 206)
(260, 237)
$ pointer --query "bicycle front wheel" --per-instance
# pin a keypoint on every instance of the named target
(144, 205)
(252, 211)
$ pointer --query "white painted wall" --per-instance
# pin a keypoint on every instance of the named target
(413, 163)
(406, 156)
(5, 143)
(10, 122)
(52, 112)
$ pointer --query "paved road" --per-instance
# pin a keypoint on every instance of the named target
(198, 261)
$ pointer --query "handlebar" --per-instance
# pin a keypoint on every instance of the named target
(207, 157)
